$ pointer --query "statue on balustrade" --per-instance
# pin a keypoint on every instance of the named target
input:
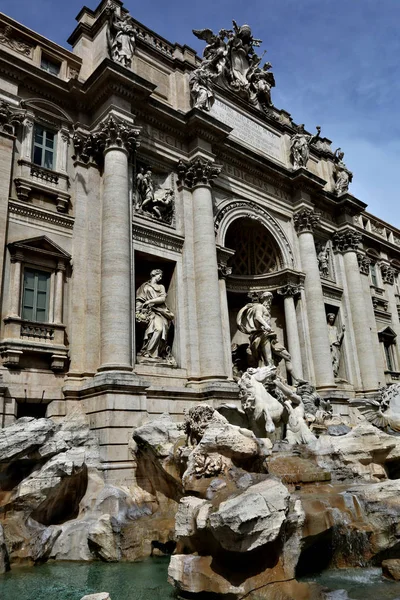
(300, 146)
(152, 310)
(120, 36)
(158, 204)
(254, 319)
(343, 177)
(335, 340)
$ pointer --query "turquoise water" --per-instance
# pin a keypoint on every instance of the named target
(146, 580)
(358, 584)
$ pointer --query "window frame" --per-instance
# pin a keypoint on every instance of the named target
(36, 270)
(50, 61)
(43, 147)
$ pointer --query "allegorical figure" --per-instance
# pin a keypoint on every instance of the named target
(323, 260)
(343, 177)
(201, 87)
(300, 146)
(254, 319)
(151, 309)
(335, 340)
(121, 38)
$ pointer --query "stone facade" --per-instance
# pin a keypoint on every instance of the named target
(130, 155)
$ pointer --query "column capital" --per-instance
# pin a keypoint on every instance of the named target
(111, 133)
(198, 171)
(363, 263)
(305, 220)
(290, 289)
(346, 240)
(10, 118)
(388, 273)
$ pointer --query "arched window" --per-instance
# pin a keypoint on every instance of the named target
(256, 253)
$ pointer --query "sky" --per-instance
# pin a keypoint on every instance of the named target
(336, 64)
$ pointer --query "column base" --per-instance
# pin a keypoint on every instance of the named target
(114, 367)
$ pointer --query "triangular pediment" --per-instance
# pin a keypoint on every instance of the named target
(41, 244)
(387, 333)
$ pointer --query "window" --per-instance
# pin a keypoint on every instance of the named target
(49, 65)
(387, 337)
(372, 272)
(388, 348)
(35, 296)
(43, 147)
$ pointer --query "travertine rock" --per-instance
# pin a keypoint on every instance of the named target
(391, 568)
(160, 435)
(253, 518)
(25, 437)
(101, 596)
(188, 510)
(4, 560)
(103, 540)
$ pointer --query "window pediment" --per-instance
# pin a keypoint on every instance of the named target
(41, 246)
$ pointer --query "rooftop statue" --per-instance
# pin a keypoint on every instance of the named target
(231, 61)
(120, 36)
(300, 146)
(342, 176)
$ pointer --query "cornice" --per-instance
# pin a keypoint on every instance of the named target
(270, 282)
(33, 212)
(149, 234)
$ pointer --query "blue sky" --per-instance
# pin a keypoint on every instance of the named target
(336, 64)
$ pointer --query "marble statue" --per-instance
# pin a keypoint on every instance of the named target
(254, 319)
(152, 310)
(385, 412)
(230, 59)
(323, 260)
(158, 204)
(300, 146)
(335, 340)
(297, 430)
(121, 37)
(342, 176)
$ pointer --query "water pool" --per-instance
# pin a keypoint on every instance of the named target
(358, 584)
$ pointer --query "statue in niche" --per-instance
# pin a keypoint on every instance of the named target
(335, 340)
(230, 60)
(158, 204)
(323, 260)
(254, 319)
(342, 176)
(152, 310)
(300, 146)
(120, 36)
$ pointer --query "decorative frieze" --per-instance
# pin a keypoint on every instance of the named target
(305, 220)
(8, 38)
(290, 289)
(346, 241)
(198, 172)
(388, 274)
(364, 263)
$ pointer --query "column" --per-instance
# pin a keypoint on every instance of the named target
(292, 333)
(15, 295)
(58, 296)
(347, 242)
(198, 176)
(116, 140)
(304, 221)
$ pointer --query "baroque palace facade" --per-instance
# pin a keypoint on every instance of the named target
(148, 200)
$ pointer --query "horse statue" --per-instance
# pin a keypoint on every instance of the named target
(384, 413)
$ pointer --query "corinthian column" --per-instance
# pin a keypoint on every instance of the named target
(347, 242)
(198, 176)
(292, 333)
(304, 222)
(116, 140)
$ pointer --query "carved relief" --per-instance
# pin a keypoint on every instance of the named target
(347, 241)
(290, 289)
(300, 146)
(364, 263)
(120, 36)
(10, 119)
(198, 172)
(388, 274)
(342, 176)
(231, 61)
(224, 271)
(157, 203)
(7, 38)
(305, 220)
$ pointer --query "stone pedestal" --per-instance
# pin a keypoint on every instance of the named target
(304, 221)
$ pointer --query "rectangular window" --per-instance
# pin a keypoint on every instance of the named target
(43, 147)
(49, 65)
(35, 297)
(372, 271)
(389, 356)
